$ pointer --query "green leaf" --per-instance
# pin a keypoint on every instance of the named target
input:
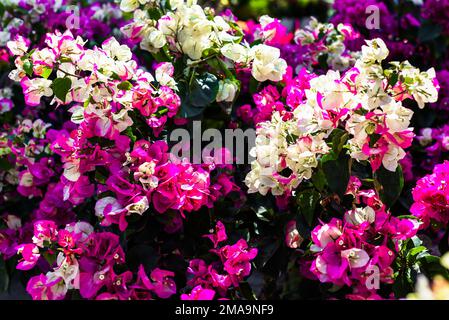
(266, 247)
(61, 87)
(188, 110)
(319, 180)
(307, 201)
(263, 213)
(46, 72)
(203, 90)
(129, 133)
(5, 165)
(415, 251)
(246, 291)
(403, 284)
(253, 85)
(322, 60)
(28, 68)
(390, 184)
(201, 93)
(393, 79)
(338, 137)
(125, 85)
(431, 266)
(407, 216)
(337, 173)
(154, 13)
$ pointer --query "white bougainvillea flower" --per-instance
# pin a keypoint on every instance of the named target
(357, 258)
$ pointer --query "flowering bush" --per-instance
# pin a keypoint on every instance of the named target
(335, 187)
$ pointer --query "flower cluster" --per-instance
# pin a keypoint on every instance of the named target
(80, 259)
(235, 264)
(191, 30)
(431, 197)
(112, 87)
(348, 251)
(160, 181)
(366, 102)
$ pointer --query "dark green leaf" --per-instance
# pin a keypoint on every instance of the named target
(267, 247)
(203, 90)
(129, 133)
(393, 79)
(431, 266)
(403, 284)
(125, 85)
(319, 179)
(61, 87)
(337, 173)
(390, 184)
(307, 201)
(5, 164)
(28, 67)
(246, 291)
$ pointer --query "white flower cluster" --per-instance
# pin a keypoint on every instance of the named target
(265, 60)
(277, 149)
(366, 102)
(381, 101)
(191, 30)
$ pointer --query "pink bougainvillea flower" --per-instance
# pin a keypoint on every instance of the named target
(34, 89)
(199, 293)
(163, 284)
(237, 258)
(219, 234)
(30, 256)
(42, 288)
(44, 231)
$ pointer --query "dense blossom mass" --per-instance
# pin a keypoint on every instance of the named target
(345, 192)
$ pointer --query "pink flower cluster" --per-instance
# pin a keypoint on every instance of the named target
(431, 197)
(80, 259)
(234, 265)
(166, 184)
(349, 251)
(114, 92)
(269, 99)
